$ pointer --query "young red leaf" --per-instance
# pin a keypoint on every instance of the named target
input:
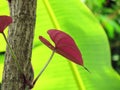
(9, 1)
(64, 45)
(4, 22)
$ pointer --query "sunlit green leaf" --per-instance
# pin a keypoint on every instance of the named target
(76, 19)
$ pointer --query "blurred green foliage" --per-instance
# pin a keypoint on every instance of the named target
(108, 13)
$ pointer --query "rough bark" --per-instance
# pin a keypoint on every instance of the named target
(20, 37)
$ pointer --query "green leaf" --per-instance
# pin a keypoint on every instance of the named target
(75, 18)
(1, 64)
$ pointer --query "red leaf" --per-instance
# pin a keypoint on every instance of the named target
(46, 42)
(4, 22)
(64, 45)
(9, 1)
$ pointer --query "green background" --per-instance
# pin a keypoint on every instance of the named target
(74, 18)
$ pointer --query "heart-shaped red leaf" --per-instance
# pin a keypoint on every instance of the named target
(4, 22)
(65, 45)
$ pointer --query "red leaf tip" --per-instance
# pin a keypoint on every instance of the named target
(9, 1)
(46, 42)
(4, 22)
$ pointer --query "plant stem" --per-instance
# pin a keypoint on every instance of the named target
(12, 53)
(44, 68)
